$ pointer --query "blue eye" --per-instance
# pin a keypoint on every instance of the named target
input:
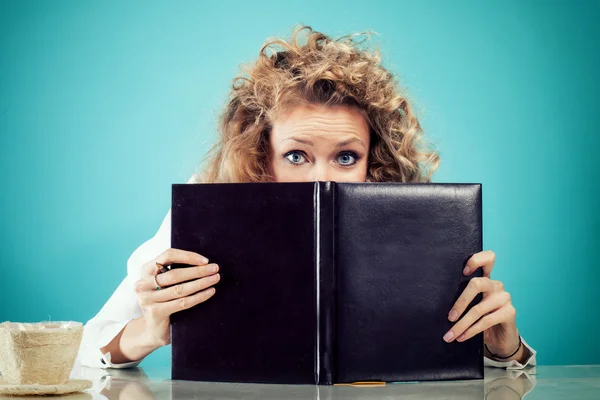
(295, 157)
(347, 159)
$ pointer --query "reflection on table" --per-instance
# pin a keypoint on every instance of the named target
(581, 382)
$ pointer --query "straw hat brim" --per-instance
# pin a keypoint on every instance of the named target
(72, 386)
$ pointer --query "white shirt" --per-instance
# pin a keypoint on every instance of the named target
(123, 306)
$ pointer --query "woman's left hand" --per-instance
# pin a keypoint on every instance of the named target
(494, 315)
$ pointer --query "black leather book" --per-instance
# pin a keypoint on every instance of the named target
(326, 282)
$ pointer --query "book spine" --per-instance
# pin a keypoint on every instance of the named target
(325, 282)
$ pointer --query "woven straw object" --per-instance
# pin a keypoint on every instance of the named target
(38, 353)
(74, 385)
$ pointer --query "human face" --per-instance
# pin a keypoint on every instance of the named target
(320, 143)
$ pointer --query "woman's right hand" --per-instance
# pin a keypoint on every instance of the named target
(181, 288)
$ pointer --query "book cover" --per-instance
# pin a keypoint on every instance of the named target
(326, 282)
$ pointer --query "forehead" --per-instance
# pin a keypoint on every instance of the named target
(321, 122)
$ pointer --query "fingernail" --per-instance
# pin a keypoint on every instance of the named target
(453, 315)
(215, 278)
(212, 268)
(212, 290)
(448, 336)
(460, 338)
(203, 260)
(466, 270)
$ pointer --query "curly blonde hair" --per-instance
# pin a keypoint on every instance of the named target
(314, 69)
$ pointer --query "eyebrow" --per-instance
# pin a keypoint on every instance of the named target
(340, 144)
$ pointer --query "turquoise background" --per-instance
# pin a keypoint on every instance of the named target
(104, 104)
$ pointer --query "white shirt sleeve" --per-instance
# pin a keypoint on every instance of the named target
(123, 305)
(513, 364)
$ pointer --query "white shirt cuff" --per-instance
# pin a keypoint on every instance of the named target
(106, 361)
(90, 353)
(513, 364)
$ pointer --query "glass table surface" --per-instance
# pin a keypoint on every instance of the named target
(542, 382)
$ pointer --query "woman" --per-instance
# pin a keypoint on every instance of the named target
(319, 109)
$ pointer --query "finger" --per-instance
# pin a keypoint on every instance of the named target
(484, 260)
(177, 256)
(173, 256)
(184, 303)
(504, 314)
(179, 275)
(174, 277)
(488, 305)
(184, 289)
(475, 286)
(144, 285)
